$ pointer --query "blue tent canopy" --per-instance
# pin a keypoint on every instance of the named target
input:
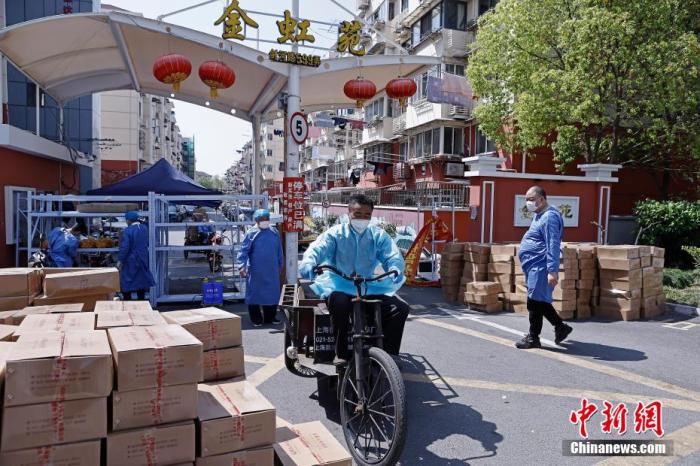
(161, 178)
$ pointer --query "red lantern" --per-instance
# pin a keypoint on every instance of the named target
(401, 89)
(217, 75)
(360, 89)
(172, 69)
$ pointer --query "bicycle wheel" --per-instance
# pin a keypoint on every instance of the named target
(293, 365)
(374, 424)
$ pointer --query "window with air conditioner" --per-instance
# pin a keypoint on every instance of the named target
(454, 69)
(455, 14)
(483, 144)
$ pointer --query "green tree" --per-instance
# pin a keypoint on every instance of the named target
(612, 81)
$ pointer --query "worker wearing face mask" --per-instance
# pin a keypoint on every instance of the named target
(539, 254)
(261, 261)
(358, 248)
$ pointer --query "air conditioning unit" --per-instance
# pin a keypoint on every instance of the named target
(403, 34)
(363, 4)
(379, 24)
(460, 113)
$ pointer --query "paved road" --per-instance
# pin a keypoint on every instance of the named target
(475, 399)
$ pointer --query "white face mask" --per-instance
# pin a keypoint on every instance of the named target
(531, 206)
(264, 225)
(359, 225)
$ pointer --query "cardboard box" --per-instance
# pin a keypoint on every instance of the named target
(69, 454)
(136, 306)
(212, 326)
(633, 304)
(583, 311)
(67, 322)
(82, 282)
(224, 363)
(503, 249)
(481, 299)
(503, 268)
(616, 314)
(563, 295)
(585, 284)
(44, 367)
(564, 306)
(54, 423)
(478, 248)
(626, 294)
(112, 319)
(7, 332)
(485, 287)
(148, 357)
(476, 258)
(584, 264)
(619, 264)
(618, 252)
(264, 456)
(20, 282)
(567, 284)
(102, 306)
(588, 274)
(14, 303)
(167, 444)
(657, 262)
(622, 275)
(88, 301)
(58, 308)
(233, 416)
(646, 261)
(153, 406)
(491, 307)
(310, 444)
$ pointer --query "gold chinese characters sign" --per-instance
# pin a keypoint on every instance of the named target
(292, 30)
(349, 37)
(294, 58)
(231, 19)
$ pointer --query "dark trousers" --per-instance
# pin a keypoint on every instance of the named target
(538, 310)
(140, 295)
(394, 314)
(266, 316)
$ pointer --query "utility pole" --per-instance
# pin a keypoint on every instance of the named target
(291, 165)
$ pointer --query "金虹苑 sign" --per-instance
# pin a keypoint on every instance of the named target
(293, 204)
(567, 205)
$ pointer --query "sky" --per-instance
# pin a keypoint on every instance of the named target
(218, 135)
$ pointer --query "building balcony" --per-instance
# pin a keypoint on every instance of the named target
(378, 129)
(399, 124)
(456, 43)
(363, 6)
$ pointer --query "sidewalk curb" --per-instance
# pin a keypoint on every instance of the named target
(682, 309)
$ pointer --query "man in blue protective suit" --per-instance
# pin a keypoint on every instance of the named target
(539, 255)
(63, 245)
(358, 248)
(133, 259)
(261, 259)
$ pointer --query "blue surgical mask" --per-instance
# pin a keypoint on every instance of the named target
(359, 225)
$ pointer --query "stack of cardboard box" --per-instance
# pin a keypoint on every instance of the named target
(653, 298)
(155, 400)
(621, 280)
(476, 259)
(451, 265)
(220, 334)
(114, 319)
(564, 293)
(309, 444)
(587, 279)
(484, 296)
(18, 287)
(236, 424)
(501, 269)
(55, 402)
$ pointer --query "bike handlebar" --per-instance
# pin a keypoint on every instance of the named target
(321, 268)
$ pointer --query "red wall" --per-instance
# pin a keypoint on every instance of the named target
(116, 170)
(504, 198)
(23, 170)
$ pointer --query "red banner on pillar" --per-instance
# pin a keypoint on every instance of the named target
(293, 205)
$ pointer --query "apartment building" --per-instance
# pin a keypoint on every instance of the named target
(272, 156)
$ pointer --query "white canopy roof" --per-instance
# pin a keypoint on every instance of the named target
(79, 54)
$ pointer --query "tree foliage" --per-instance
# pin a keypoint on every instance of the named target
(672, 225)
(612, 81)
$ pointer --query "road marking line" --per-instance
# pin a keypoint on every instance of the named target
(574, 361)
(680, 325)
(576, 393)
(257, 359)
(686, 441)
(479, 319)
(272, 367)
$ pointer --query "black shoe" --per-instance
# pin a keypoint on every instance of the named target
(561, 332)
(257, 325)
(274, 322)
(528, 342)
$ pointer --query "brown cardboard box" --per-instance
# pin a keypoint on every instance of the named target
(625, 304)
(476, 258)
(7, 332)
(657, 262)
(233, 416)
(44, 367)
(102, 306)
(166, 444)
(646, 261)
(567, 284)
(503, 268)
(652, 291)
(618, 252)
(148, 357)
(485, 287)
(583, 311)
(584, 264)
(658, 252)
(264, 456)
(564, 306)
(616, 314)
(563, 295)
(619, 264)
(53, 423)
(14, 303)
(224, 363)
(626, 294)
(19, 315)
(644, 251)
(67, 322)
(476, 268)
(653, 281)
(112, 319)
(82, 282)
(88, 301)
(59, 308)
(491, 307)
(623, 280)
(478, 248)
(585, 284)
(588, 274)
(153, 406)
(136, 306)
(503, 249)
(310, 444)
(481, 299)
(212, 326)
(69, 454)
(20, 282)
